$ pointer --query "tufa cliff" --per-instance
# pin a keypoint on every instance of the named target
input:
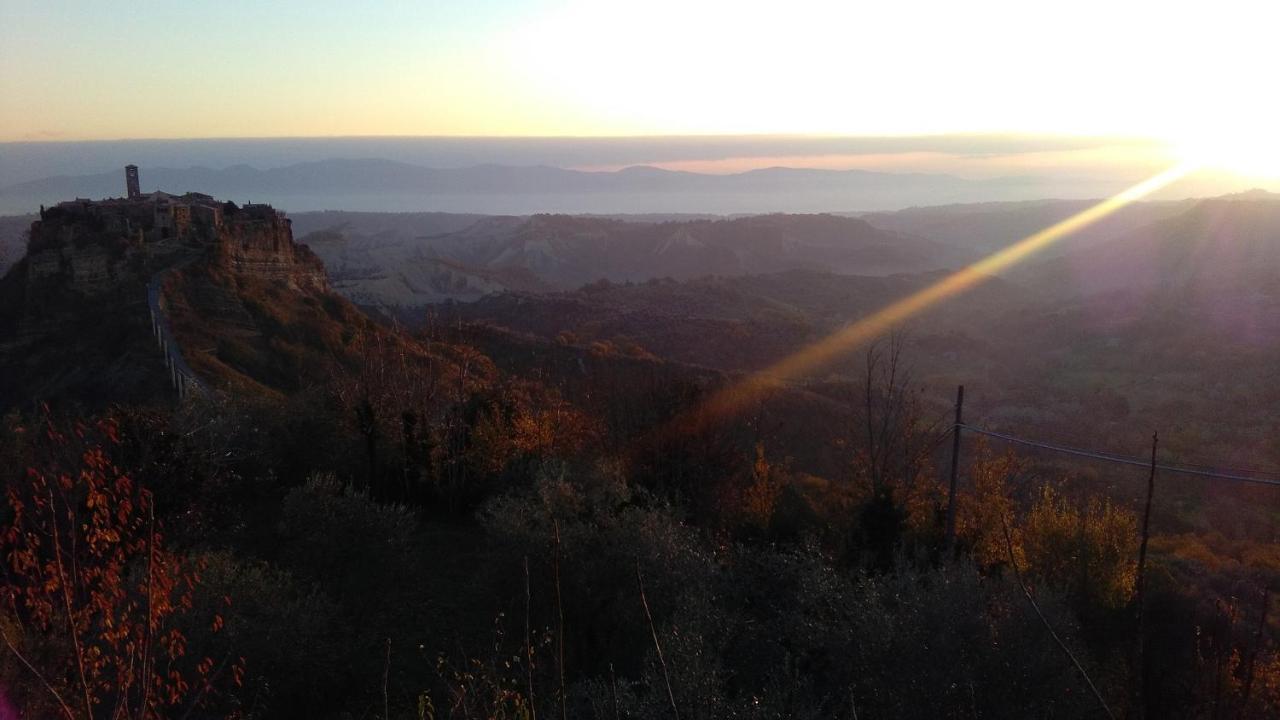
(97, 308)
(88, 247)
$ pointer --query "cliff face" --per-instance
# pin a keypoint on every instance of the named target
(65, 255)
(75, 316)
(74, 326)
(263, 248)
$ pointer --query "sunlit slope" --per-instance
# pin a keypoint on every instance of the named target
(1218, 247)
(987, 227)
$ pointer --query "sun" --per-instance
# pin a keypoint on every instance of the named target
(1246, 148)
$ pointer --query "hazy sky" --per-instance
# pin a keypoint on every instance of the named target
(240, 68)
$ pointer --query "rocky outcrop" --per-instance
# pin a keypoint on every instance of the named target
(98, 275)
(261, 246)
(68, 256)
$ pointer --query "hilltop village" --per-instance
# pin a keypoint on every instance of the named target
(102, 274)
(93, 244)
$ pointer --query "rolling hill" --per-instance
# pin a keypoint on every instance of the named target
(1218, 246)
(987, 227)
(388, 266)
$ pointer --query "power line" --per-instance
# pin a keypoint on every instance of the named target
(1119, 459)
(1232, 469)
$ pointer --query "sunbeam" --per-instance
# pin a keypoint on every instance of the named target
(739, 394)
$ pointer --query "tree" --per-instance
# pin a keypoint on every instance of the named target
(982, 512)
(892, 459)
(391, 390)
(897, 440)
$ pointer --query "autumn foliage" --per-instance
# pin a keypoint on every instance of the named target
(91, 595)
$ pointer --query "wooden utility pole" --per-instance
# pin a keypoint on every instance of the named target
(1140, 583)
(955, 468)
(555, 570)
(1146, 524)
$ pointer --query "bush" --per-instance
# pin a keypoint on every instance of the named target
(605, 530)
(754, 632)
(1090, 552)
(290, 635)
(344, 541)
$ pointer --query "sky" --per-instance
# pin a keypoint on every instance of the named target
(95, 70)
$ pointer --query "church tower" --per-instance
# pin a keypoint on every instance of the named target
(131, 181)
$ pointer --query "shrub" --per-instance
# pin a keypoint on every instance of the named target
(1090, 551)
(344, 541)
(290, 634)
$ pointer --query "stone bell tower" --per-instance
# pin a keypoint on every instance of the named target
(131, 181)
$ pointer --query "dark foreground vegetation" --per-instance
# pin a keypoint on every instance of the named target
(428, 536)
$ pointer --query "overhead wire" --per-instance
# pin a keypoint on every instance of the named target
(1194, 470)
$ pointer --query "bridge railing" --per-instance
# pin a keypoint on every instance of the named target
(183, 379)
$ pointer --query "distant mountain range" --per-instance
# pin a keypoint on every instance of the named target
(385, 185)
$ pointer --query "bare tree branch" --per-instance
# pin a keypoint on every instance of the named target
(657, 646)
(1017, 575)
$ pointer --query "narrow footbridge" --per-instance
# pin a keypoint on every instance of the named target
(183, 379)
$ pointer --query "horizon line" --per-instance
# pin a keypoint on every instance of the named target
(984, 134)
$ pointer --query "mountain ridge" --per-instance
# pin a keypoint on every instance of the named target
(494, 188)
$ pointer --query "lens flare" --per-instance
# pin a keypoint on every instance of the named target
(738, 395)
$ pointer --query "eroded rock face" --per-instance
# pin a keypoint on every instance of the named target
(77, 319)
(262, 247)
(70, 254)
(90, 247)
